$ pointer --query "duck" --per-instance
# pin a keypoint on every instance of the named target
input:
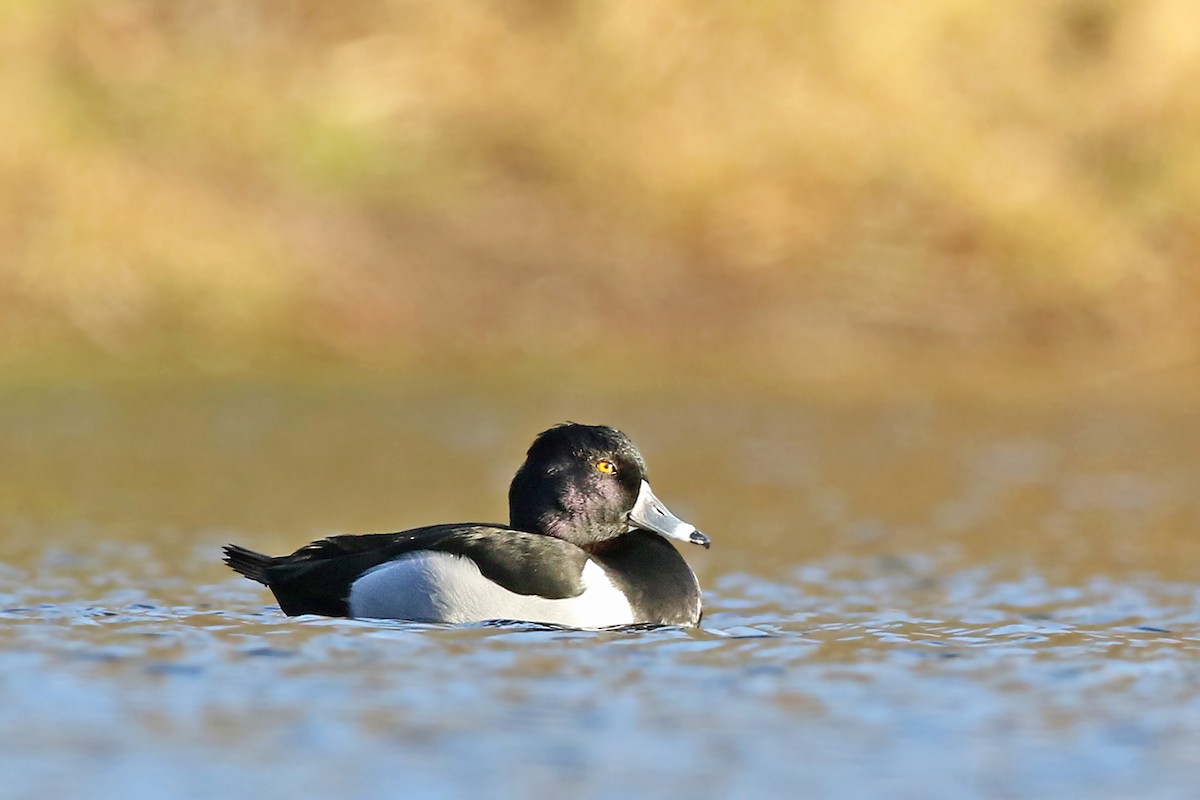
(586, 547)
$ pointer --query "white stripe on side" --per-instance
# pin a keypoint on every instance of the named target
(442, 587)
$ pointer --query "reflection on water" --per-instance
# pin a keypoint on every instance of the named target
(910, 600)
(849, 679)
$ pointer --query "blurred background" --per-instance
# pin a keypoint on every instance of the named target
(766, 191)
(281, 268)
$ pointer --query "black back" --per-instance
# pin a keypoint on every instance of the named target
(316, 579)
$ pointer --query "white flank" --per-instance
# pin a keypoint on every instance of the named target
(441, 587)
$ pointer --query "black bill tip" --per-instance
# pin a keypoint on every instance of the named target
(699, 538)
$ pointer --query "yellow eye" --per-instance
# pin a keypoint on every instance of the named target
(606, 466)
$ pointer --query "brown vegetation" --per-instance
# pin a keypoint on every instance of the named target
(228, 181)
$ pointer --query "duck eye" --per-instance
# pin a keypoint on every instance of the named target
(606, 466)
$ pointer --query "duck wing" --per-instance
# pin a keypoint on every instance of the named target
(317, 578)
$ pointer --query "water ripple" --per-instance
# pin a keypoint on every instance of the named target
(926, 661)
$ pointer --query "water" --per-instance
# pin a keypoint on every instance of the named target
(906, 599)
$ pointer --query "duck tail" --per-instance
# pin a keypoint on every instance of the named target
(247, 562)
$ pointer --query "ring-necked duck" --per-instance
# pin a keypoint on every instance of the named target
(584, 548)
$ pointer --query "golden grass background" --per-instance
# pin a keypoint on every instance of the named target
(786, 186)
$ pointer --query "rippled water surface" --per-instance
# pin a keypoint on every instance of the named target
(908, 599)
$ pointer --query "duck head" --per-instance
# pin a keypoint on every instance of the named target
(587, 484)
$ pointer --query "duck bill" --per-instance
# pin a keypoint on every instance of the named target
(650, 514)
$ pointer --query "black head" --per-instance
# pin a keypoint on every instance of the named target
(587, 484)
